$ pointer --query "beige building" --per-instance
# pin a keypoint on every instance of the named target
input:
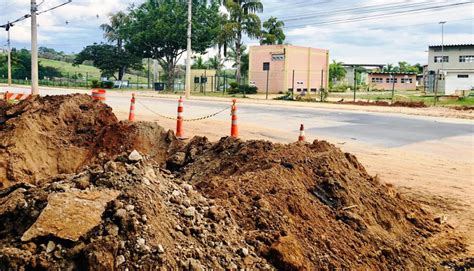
(203, 80)
(288, 68)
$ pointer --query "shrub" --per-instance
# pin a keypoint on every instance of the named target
(95, 83)
(242, 89)
(107, 84)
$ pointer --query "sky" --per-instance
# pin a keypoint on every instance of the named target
(354, 31)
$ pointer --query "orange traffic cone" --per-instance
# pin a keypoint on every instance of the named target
(234, 131)
(302, 137)
(179, 120)
(131, 116)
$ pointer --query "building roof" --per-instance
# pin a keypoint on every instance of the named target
(362, 65)
(395, 73)
(452, 45)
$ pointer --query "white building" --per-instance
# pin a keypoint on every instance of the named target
(450, 69)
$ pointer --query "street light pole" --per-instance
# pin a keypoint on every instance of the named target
(442, 63)
(34, 49)
(9, 56)
(188, 52)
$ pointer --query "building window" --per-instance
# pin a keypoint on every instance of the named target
(439, 59)
(278, 57)
(463, 75)
(466, 58)
(377, 80)
(407, 80)
(391, 80)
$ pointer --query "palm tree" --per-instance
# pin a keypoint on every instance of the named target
(244, 59)
(272, 32)
(112, 33)
(336, 71)
(242, 21)
(199, 63)
(216, 63)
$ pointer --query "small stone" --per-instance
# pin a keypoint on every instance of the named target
(119, 260)
(135, 156)
(112, 229)
(161, 250)
(146, 181)
(177, 159)
(178, 228)
(175, 193)
(195, 265)
(50, 247)
(121, 213)
(129, 207)
(441, 219)
(232, 266)
(141, 241)
(110, 166)
(189, 212)
(187, 187)
(244, 252)
(144, 218)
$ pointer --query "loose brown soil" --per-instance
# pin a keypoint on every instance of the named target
(412, 104)
(197, 206)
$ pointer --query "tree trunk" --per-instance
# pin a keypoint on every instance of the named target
(169, 69)
(238, 56)
(121, 73)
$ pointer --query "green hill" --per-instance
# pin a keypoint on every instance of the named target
(85, 70)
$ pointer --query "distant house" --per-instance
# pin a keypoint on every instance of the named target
(392, 80)
(289, 68)
(450, 68)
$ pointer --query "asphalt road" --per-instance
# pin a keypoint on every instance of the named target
(380, 129)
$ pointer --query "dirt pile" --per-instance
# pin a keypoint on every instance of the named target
(43, 137)
(228, 205)
(413, 104)
(314, 207)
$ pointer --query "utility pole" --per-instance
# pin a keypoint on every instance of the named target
(9, 56)
(438, 76)
(188, 52)
(355, 82)
(34, 50)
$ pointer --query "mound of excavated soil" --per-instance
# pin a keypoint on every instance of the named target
(314, 207)
(228, 205)
(43, 137)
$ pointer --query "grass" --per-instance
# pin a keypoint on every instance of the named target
(91, 71)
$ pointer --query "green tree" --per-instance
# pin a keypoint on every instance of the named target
(109, 60)
(199, 63)
(21, 66)
(157, 29)
(273, 32)
(336, 71)
(244, 59)
(112, 32)
(216, 63)
(242, 21)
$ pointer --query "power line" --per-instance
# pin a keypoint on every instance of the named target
(390, 14)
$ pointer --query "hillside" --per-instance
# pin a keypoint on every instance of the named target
(92, 72)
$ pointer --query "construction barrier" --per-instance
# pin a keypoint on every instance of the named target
(131, 115)
(179, 120)
(98, 94)
(301, 137)
(15, 96)
(234, 131)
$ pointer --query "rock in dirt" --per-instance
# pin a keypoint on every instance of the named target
(70, 215)
(135, 156)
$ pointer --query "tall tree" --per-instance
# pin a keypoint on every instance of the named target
(157, 29)
(242, 21)
(336, 71)
(273, 32)
(216, 63)
(112, 32)
(109, 60)
(244, 59)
